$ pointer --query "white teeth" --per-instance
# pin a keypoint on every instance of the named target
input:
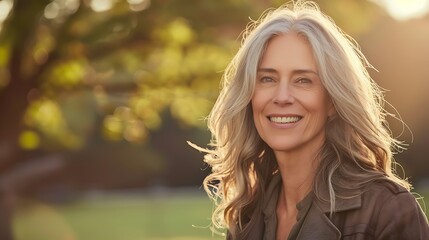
(284, 119)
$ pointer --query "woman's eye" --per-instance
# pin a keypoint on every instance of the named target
(266, 79)
(304, 80)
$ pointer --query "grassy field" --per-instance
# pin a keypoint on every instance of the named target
(120, 217)
(171, 216)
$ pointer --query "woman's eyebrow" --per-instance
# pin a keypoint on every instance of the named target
(268, 70)
(296, 71)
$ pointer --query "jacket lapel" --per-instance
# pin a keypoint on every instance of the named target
(317, 224)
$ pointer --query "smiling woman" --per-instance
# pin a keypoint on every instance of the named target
(290, 105)
(301, 148)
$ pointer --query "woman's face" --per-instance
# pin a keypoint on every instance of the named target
(290, 105)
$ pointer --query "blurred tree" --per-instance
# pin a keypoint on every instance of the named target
(67, 65)
(61, 60)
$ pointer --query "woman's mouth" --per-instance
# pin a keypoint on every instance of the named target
(285, 120)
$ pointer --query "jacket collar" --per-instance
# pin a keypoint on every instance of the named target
(341, 204)
(317, 224)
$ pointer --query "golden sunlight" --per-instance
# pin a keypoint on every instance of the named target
(403, 10)
(101, 5)
(5, 7)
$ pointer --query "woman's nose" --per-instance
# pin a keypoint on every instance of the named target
(283, 95)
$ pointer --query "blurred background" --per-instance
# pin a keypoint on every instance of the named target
(98, 99)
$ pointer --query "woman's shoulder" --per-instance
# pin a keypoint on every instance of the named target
(385, 193)
(387, 211)
(385, 187)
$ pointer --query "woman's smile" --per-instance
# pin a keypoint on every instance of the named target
(284, 120)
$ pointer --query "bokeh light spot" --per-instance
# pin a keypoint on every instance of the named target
(5, 7)
(138, 5)
(101, 5)
(405, 9)
(29, 140)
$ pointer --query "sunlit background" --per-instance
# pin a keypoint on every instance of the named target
(98, 99)
(404, 9)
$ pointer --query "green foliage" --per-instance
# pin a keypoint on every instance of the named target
(139, 59)
(68, 74)
(46, 116)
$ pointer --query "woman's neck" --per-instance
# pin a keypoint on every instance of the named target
(297, 172)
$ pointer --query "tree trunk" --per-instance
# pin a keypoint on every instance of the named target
(7, 202)
(18, 31)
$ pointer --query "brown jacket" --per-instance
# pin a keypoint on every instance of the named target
(385, 211)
